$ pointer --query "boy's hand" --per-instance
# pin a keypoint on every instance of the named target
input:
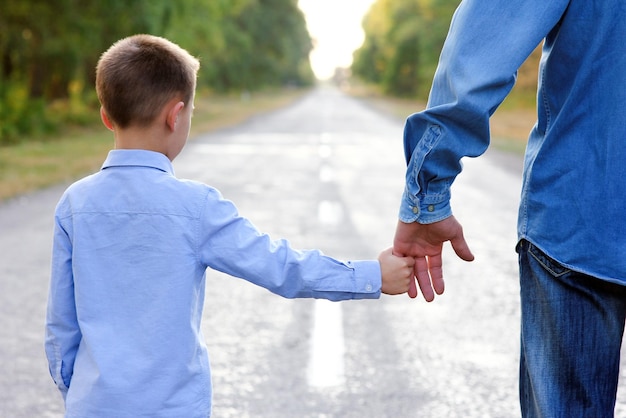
(397, 272)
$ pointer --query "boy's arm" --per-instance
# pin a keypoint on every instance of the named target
(62, 332)
(231, 244)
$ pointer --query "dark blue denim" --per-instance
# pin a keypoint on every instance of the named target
(571, 334)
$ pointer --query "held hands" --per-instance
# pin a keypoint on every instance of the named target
(424, 242)
(397, 272)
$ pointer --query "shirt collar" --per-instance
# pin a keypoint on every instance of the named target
(138, 158)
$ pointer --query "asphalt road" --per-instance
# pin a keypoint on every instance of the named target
(326, 172)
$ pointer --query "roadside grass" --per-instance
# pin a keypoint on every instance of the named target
(39, 162)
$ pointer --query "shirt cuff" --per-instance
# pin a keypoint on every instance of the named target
(428, 210)
(367, 279)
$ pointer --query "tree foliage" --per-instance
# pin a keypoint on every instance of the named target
(403, 39)
(49, 49)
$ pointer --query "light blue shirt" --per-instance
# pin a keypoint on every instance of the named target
(131, 247)
(573, 203)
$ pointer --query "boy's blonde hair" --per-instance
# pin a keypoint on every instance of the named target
(138, 75)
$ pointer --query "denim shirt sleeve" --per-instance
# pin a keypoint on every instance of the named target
(487, 42)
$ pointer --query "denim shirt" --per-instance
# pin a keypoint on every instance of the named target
(131, 247)
(573, 203)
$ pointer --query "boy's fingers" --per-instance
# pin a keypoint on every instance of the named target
(410, 262)
(423, 278)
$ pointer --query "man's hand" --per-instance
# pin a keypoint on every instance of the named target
(425, 242)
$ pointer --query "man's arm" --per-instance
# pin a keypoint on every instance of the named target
(486, 44)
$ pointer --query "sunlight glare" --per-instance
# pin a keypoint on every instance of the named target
(335, 27)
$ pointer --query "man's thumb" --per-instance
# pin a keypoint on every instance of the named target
(462, 249)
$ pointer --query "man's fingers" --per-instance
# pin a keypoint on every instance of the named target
(429, 275)
(412, 288)
(423, 278)
(435, 268)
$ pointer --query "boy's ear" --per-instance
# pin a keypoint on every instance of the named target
(173, 113)
(105, 119)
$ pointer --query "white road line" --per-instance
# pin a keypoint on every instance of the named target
(326, 358)
(326, 363)
(327, 349)
(326, 173)
(329, 213)
(324, 151)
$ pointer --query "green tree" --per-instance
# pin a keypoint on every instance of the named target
(268, 46)
(403, 39)
(49, 49)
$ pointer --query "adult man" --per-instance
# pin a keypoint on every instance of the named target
(571, 228)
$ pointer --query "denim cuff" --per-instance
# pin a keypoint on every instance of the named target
(425, 210)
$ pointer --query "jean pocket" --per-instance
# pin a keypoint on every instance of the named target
(549, 264)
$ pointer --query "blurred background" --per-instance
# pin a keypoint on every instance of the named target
(255, 55)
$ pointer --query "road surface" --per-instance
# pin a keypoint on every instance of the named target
(326, 172)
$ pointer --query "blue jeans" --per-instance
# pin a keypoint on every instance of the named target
(571, 334)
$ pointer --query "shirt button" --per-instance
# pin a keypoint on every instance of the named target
(368, 288)
(415, 209)
(431, 208)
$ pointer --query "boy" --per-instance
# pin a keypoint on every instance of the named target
(132, 244)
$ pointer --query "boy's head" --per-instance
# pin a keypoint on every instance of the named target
(137, 76)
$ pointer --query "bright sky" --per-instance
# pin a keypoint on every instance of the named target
(335, 26)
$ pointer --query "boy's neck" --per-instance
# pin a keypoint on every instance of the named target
(140, 138)
(167, 134)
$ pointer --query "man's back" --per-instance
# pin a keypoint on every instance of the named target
(573, 193)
